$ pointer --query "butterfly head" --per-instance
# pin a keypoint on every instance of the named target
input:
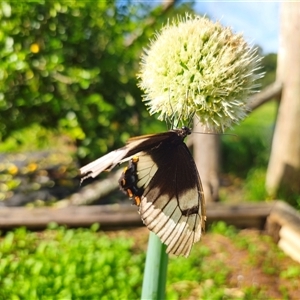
(183, 132)
(186, 130)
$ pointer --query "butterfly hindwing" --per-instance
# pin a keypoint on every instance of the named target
(172, 203)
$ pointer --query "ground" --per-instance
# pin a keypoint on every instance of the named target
(254, 261)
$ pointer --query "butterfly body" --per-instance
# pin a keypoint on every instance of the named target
(128, 181)
(163, 180)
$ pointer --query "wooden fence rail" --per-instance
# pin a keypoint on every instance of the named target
(277, 218)
(109, 216)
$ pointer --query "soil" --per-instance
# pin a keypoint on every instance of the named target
(259, 270)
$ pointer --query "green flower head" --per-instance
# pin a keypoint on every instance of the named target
(195, 66)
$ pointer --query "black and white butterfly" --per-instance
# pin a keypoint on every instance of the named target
(163, 180)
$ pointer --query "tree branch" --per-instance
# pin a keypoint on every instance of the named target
(268, 93)
(92, 192)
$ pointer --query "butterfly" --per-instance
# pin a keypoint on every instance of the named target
(163, 181)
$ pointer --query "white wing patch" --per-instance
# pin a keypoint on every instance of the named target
(104, 163)
(110, 160)
(188, 199)
(146, 169)
(166, 220)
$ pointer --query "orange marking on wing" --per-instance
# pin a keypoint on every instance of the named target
(135, 159)
(129, 193)
(137, 200)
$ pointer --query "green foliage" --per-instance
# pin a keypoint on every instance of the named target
(291, 198)
(66, 58)
(264, 253)
(68, 264)
(87, 264)
(196, 271)
(72, 66)
(32, 138)
(254, 187)
(204, 275)
(224, 229)
(269, 65)
(291, 272)
(250, 145)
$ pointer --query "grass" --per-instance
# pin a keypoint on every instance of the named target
(68, 264)
(64, 263)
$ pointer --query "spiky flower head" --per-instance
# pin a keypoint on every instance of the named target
(196, 66)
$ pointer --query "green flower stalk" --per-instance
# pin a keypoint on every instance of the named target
(195, 66)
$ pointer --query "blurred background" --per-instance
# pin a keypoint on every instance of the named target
(69, 92)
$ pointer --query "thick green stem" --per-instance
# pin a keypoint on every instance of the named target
(155, 274)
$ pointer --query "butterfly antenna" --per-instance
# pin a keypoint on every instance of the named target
(216, 133)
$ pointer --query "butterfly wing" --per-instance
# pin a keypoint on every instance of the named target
(172, 202)
(172, 205)
(111, 159)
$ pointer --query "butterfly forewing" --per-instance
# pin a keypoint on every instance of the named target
(111, 159)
